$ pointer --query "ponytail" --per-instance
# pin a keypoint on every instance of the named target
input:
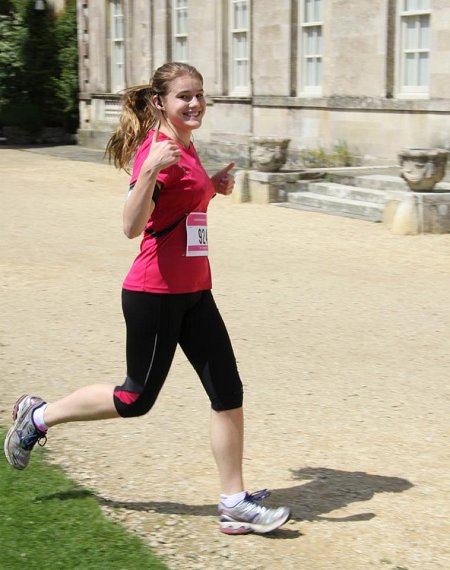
(138, 116)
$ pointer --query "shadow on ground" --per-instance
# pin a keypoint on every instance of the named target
(323, 490)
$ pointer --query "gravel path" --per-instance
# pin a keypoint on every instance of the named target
(341, 331)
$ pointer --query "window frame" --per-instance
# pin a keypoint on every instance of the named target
(117, 68)
(304, 27)
(237, 90)
(405, 16)
(178, 36)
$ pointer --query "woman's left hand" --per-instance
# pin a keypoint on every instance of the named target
(224, 181)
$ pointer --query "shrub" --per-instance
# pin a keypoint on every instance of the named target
(26, 115)
(340, 155)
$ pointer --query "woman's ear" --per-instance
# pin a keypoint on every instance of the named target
(158, 102)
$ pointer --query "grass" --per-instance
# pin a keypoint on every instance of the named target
(48, 521)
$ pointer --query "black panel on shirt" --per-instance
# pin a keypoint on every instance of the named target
(156, 191)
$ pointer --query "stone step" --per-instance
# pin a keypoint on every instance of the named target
(347, 191)
(388, 183)
(382, 182)
(360, 209)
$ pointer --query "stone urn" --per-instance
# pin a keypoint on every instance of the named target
(423, 168)
(268, 154)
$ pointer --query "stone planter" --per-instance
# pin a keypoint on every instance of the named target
(268, 154)
(423, 168)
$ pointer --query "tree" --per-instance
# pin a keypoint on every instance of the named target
(66, 84)
(38, 66)
(13, 35)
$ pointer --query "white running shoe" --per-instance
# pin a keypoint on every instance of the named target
(249, 516)
(23, 435)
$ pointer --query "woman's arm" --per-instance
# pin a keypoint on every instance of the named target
(139, 205)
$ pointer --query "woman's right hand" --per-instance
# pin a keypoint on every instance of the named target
(162, 154)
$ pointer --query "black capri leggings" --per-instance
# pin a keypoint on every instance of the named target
(156, 323)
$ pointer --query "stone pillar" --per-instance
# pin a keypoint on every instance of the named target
(240, 191)
(412, 213)
(268, 187)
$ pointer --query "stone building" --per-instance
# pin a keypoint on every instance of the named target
(374, 74)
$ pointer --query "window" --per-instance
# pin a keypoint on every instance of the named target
(310, 47)
(415, 45)
(240, 47)
(180, 37)
(117, 46)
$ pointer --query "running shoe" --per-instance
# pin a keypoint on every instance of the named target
(23, 435)
(250, 516)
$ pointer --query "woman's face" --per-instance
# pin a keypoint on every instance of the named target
(184, 105)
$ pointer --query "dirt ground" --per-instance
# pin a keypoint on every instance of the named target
(341, 332)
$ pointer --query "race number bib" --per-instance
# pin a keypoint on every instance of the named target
(197, 234)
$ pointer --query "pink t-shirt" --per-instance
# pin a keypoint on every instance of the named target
(162, 265)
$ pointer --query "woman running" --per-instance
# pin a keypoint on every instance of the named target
(166, 295)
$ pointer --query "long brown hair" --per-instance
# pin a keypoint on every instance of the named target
(139, 113)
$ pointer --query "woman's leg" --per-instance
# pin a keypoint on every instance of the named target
(227, 443)
(30, 417)
(94, 402)
(152, 334)
(205, 341)
(153, 324)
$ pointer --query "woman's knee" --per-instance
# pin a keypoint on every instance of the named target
(132, 404)
(229, 401)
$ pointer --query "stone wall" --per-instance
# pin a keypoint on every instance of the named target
(138, 47)
(271, 48)
(355, 48)
(440, 66)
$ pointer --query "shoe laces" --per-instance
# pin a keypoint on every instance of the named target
(251, 504)
(30, 440)
(259, 495)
